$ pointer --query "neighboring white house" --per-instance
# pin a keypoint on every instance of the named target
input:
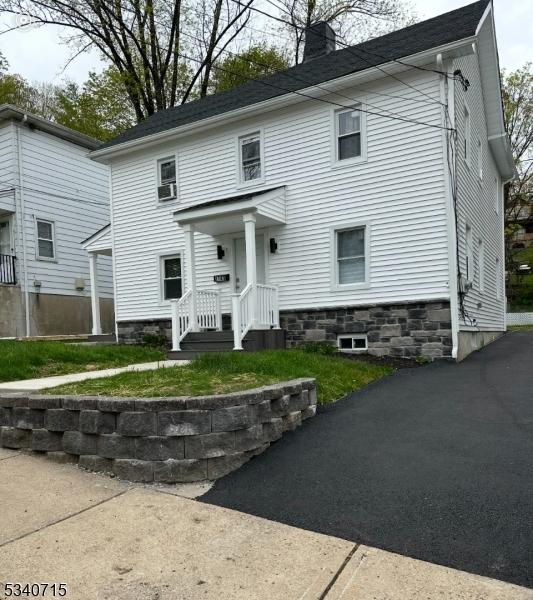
(355, 198)
(52, 197)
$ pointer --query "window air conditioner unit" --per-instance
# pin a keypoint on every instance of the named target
(167, 191)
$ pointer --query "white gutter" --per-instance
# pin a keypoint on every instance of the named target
(317, 91)
(447, 97)
(23, 227)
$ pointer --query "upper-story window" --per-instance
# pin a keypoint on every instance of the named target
(348, 133)
(250, 157)
(467, 134)
(497, 192)
(45, 240)
(166, 178)
(481, 262)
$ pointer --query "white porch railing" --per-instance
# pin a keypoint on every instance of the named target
(255, 308)
(194, 312)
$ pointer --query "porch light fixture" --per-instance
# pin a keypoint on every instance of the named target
(273, 246)
(220, 252)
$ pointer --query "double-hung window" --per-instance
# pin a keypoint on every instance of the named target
(166, 176)
(171, 277)
(250, 157)
(45, 240)
(467, 134)
(350, 256)
(469, 254)
(481, 263)
(348, 133)
(479, 159)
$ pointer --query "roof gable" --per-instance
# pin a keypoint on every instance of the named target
(438, 31)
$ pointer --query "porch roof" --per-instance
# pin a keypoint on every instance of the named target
(224, 215)
(99, 242)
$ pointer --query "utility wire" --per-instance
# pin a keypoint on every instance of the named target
(309, 97)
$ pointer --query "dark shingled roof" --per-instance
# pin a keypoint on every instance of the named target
(444, 29)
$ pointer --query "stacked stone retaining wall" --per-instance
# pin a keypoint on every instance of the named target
(167, 440)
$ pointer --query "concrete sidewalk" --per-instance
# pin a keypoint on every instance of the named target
(106, 539)
(34, 385)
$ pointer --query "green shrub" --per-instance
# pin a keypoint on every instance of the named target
(154, 340)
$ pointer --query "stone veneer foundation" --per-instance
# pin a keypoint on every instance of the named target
(168, 440)
(400, 330)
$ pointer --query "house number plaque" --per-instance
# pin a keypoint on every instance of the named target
(221, 278)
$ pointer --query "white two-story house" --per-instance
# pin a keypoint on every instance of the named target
(355, 198)
(52, 197)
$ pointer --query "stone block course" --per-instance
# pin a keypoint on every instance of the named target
(161, 439)
(95, 421)
(137, 423)
(59, 419)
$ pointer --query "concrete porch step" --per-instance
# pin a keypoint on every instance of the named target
(222, 341)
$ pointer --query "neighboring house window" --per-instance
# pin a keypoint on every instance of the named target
(479, 159)
(250, 157)
(45, 240)
(466, 147)
(469, 254)
(481, 261)
(171, 274)
(348, 133)
(350, 255)
(166, 174)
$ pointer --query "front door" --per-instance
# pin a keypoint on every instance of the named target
(240, 261)
(5, 238)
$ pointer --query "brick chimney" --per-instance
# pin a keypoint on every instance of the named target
(319, 41)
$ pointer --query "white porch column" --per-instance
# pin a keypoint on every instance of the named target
(190, 261)
(251, 261)
(95, 300)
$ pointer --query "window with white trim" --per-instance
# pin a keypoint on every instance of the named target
(171, 277)
(481, 263)
(45, 239)
(353, 342)
(469, 250)
(497, 191)
(350, 259)
(166, 178)
(250, 157)
(348, 133)
(467, 134)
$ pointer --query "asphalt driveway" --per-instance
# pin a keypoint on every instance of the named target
(433, 463)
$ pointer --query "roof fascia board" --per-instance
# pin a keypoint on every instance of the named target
(318, 91)
(10, 112)
(96, 237)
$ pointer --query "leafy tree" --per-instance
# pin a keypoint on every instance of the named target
(100, 108)
(147, 41)
(353, 20)
(518, 108)
(254, 63)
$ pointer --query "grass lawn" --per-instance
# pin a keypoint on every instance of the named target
(28, 360)
(520, 328)
(234, 371)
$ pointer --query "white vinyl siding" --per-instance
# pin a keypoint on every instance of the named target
(63, 186)
(479, 207)
(400, 187)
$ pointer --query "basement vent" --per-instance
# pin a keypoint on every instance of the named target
(352, 342)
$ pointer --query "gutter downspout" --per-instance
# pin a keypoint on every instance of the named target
(23, 226)
(447, 98)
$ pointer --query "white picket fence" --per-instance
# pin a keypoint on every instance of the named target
(525, 318)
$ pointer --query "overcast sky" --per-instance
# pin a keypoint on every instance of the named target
(38, 55)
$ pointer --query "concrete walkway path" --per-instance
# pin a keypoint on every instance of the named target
(109, 540)
(34, 385)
